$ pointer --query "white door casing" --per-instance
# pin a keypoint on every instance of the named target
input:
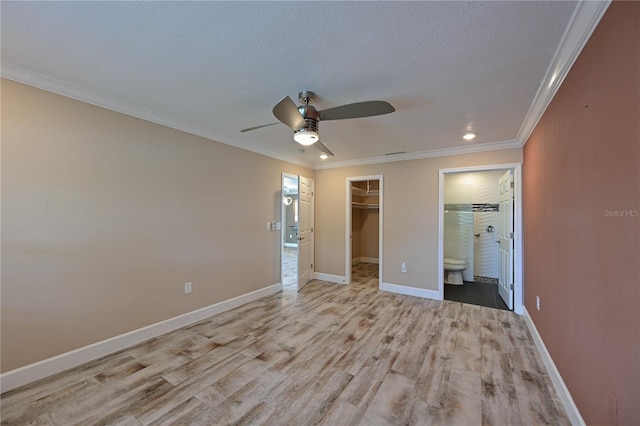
(305, 231)
(506, 277)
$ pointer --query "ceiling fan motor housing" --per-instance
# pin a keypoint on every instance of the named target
(311, 117)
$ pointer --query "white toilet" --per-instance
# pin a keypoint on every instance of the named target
(453, 270)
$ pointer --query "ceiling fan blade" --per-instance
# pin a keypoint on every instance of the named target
(248, 129)
(287, 112)
(322, 148)
(357, 110)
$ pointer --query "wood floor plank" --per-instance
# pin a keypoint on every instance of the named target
(462, 403)
(393, 401)
(330, 354)
(366, 382)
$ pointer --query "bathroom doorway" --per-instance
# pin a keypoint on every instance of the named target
(473, 210)
(290, 222)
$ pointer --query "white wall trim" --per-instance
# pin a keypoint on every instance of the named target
(79, 93)
(584, 21)
(563, 392)
(443, 152)
(328, 277)
(45, 368)
(411, 291)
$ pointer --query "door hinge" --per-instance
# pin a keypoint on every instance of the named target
(312, 193)
(312, 229)
(511, 286)
(511, 235)
(312, 268)
(511, 184)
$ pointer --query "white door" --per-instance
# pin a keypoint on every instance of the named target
(505, 281)
(305, 231)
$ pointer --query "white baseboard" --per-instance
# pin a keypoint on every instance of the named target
(45, 368)
(411, 291)
(328, 277)
(563, 392)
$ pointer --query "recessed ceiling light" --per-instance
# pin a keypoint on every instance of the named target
(324, 156)
(469, 136)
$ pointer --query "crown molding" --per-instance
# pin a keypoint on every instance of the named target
(460, 150)
(584, 21)
(60, 87)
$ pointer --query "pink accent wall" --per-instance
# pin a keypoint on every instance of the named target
(582, 222)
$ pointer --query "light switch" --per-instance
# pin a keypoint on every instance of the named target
(273, 225)
(278, 226)
(268, 227)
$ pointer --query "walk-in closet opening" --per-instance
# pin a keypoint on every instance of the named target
(364, 219)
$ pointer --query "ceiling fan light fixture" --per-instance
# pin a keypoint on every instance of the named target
(306, 137)
(324, 156)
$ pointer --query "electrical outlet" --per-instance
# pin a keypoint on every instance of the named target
(403, 267)
(187, 288)
(538, 302)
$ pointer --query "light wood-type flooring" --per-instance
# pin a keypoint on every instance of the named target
(289, 268)
(332, 354)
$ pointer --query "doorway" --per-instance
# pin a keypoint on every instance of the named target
(364, 237)
(289, 232)
(297, 231)
(480, 228)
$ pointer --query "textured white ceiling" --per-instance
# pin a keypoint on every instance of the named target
(214, 68)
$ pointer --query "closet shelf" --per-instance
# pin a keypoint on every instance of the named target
(357, 205)
(363, 192)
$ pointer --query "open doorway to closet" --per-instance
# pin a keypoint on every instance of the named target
(364, 229)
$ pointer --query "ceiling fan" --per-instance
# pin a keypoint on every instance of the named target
(304, 119)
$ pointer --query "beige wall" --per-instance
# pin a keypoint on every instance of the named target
(105, 217)
(581, 183)
(364, 233)
(369, 229)
(410, 214)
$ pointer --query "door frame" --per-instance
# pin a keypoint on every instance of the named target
(505, 277)
(518, 245)
(283, 221)
(348, 255)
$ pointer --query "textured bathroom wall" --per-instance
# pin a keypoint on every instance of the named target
(458, 221)
(486, 251)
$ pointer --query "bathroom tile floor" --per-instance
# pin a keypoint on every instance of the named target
(330, 354)
(475, 293)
